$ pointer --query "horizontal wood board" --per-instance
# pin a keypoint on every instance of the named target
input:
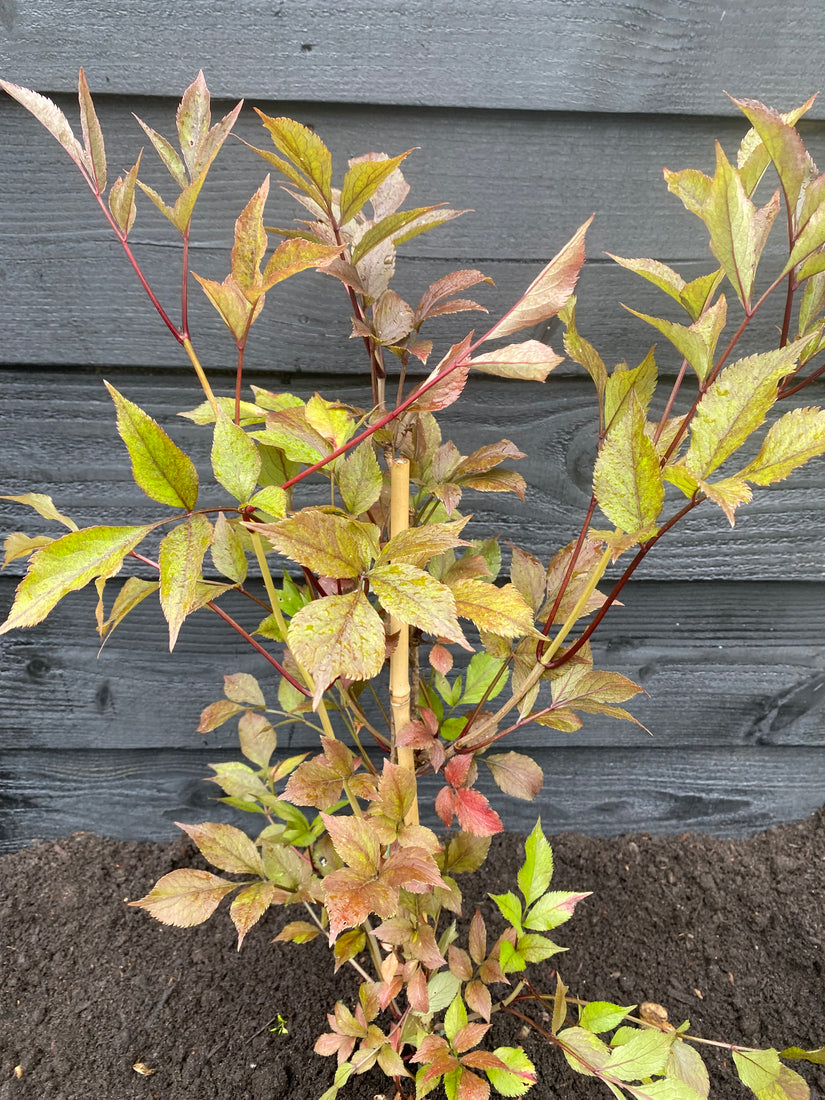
(738, 665)
(528, 181)
(655, 56)
(61, 437)
(721, 791)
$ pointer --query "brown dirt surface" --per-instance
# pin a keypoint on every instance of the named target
(726, 933)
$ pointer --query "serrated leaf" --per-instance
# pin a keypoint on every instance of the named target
(549, 290)
(518, 1077)
(552, 909)
(475, 814)
(465, 853)
(415, 597)
(598, 1016)
(122, 199)
(225, 847)
(782, 143)
(305, 151)
(584, 1051)
(134, 590)
(442, 288)
(530, 361)
(455, 1017)
(447, 380)
(236, 463)
(271, 500)
(793, 440)
(330, 545)
(482, 672)
(418, 545)
(44, 506)
(639, 382)
(338, 636)
(535, 873)
(298, 931)
(500, 611)
(295, 256)
(684, 1064)
(181, 560)
(92, 134)
(362, 181)
(734, 406)
(696, 343)
(185, 897)
(728, 493)
(249, 905)
(19, 545)
(627, 478)
(643, 1055)
(581, 351)
(235, 309)
(241, 687)
(359, 479)
(516, 774)
(160, 468)
(258, 738)
(289, 430)
(50, 115)
(387, 227)
(68, 564)
(250, 244)
(758, 1069)
(655, 272)
(510, 908)
(227, 551)
(166, 152)
(193, 119)
(217, 713)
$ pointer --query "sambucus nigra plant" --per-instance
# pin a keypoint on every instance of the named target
(388, 573)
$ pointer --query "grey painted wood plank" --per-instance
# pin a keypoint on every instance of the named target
(740, 665)
(656, 56)
(137, 795)
(62, 439)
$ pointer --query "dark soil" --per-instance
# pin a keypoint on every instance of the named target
(727, 933)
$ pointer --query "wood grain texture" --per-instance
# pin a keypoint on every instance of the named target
(739, 665)
(73, 450)
(656, 56)
(140, 794)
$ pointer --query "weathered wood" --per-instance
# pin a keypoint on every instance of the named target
(62, 439)
(659, 55)
(140, 794)
(740, 665)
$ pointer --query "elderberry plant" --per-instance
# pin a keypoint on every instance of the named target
(377, 585)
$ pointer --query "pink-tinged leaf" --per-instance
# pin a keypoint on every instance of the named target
(68, 564)
(393, 318)
(413, 869)
(166, 153)
(250, 244)
(627, 477)
(548, 292)
(442, 288)
(92, 134)
(122, 199)
(500, 611)
(193, 120)
(475, 814)
(552, 909)
(728, 494)
(319, 781)
(530, 361)
(458, 768)
(516, 774)
(185, 897)
(783, 144)
(468, 1037)
(225, 847)
(446, 383)
(235, 309)
(445, 805)
(365, 176)
(440, 659)
(350, 899)
(53, 119)
(258, 738)
(241, 687)
(249, 905)
(181, 560)
(396, 791)
(418, 545)
(417, 992)
(216, 714)
(160, 468)
(297, 931)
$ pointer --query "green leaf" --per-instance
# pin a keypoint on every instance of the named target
(598, 1016)
(225, 847)
(500, 611)
(518, 1077)
(584, 1051)
(305, 150)
(684, 1064)
(442, 988)
(338, 636)
(515, 774)
(181, 560)
(549, 290)
(552, 909)
(227, 551)
(482, 671)
(362, 180)
(627, 478)
(537, 870)
(235, 309)
(795, 1054)
(185, 897)
(52, 118)
(793, 440)
(271, 500)
(44, 506)
(295, 256)
(359, 479)
(640, 382)
(330, 545)
(698, 342)
(758, 1069)
(581, 351)
(510, 908)
(642, 1055)
(530, 361)
(655, 272)
(92, 134)
(122, 199)
(734, 406)
(455, 1018)
(159, 466)
(66, 565)
(250, 244)
(418, 599)
(390, 226)
(236, 463)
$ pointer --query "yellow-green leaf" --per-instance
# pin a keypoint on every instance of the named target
(19, 545)
(122, 199)
(236, 463)
(225, 847)
(227, 551)
(360, 479)
(181, 559)
(330, 545)
(250, 244)
(67, 564)
(338, 636)
(303, 149)
(500, 611)
(249, 905)
(296, 255)
(728, 493)
(362, 180)
(235, 309)
(793, 440)
(134, 590)
(415, 597)
(92, 134)
(698, 342)
(44, 506)
(627, 479)
(160, 468)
